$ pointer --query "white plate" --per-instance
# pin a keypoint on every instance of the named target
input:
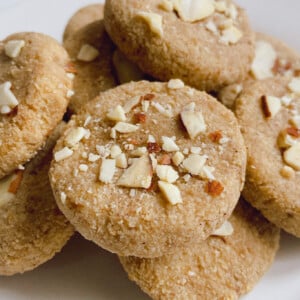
(84, 271)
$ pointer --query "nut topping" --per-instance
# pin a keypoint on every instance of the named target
(292, 156)
(117, 114)
(107, 170)
(270, 106)
(87, 53)
(153, 20)
(8, 101)
(225, 230)
(13, 48)
(194, 123)
(170, 192)
(214, 188)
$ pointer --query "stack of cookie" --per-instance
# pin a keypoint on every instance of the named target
(154, 171)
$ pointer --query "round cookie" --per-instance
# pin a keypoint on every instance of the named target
(186, 160)
(267, 112)
(32, 227)
(167, 41)
(280, 60)
(91, 51)
(83, 17)
(33, 95)
(221, 267)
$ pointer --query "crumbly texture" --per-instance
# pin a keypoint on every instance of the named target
(32, 229)
(83, 17)
(188, 51)
(40, 84)
(218, 268)
(145, 224)
(266, 189)
(95, 76)
(228, 95)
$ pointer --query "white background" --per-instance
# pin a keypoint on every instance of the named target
(84, 271)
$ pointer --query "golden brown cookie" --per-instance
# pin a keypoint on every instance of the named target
(83, 17)
(221, 267)
(33, 95)
(32, 229)
(268, 112)
(91, 51)
(206, 44)
(146, 168)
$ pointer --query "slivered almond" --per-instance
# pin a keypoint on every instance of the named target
(125, 127)
(70, 68)
(132, 103)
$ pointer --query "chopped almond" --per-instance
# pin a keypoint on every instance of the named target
(153, 147)
(107, 170)
(132, 103)
(153, 20)
(194, 123)
(70, 68)
(177, 158)
(166, 173)
(169, 144)
(216, 136)
(171, 192)
(125, 127)
(225, 230)
(194, 163)
(292, 156)
(14, 185)
(214, 188)
(294, 132)
(140, 118)
(164, 159)
(270, 105)
(148, 97)
(117, 114)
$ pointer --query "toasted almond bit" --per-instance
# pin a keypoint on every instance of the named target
(153, 147)
(193, 122)
(214, 188)
(70, 68)
(190, 107)
(70, 93)
(294, 132)
(292, 156)
(169, 144)
(294, 85)
(125, 127)
(63, 154)
(296, 121)
(177, 158)
(231, 35)
(107, 170)
(194, 10)
(286, 100)
(5, 110)
(83, 167)
(287, 172)
(74, 136)
(84, 155)
(63, 198)
(140, 118)
(164, 159)
(207, 173)
(175, 84)
(16, 182)
(93, 157)
(187, 177)
(265, 57)
(5, 186)
(117, 114)
(153, 20)
(154, 162)
(225, 230)
(195, 150)
(13, 48)
(270, 106)
(87, 121)
(121, 161)
(140, 151)
(131, 103)
(113, 133)
(215, 136)
(7, 98)
(186, 151)
(227, 23)
(149, 97)
(167, 112)
(285, 140)
(115, 151)
(220, 6)
(166, 5)
(194, 163)
(166, 173)
(211, 26)
(145, 106)
(132, 193)
(138, 175)
(231, 11)
(170, 192)
(151, 139)
(87, 53)
(103, 151)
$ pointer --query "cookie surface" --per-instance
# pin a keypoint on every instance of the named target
(267, 112)
(145, 185)
(222, 267)
(83, 17)
(32, 227)
(165, 42)
(91, 51)
(33, 87)
(272, 58)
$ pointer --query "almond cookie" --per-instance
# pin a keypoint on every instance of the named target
(32, 229)
(269, 115)
(83, 17)
(225, 266)
(208, 44)
(33, 95)
(149, 167)
(272, 58)
(91, 51)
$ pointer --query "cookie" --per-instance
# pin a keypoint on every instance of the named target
(272, 58)
(33, 95)
(207, 45)
(268, 112)
(91, 51)
(32, 229)
(83, 17)
(222, 267)
(146, 168)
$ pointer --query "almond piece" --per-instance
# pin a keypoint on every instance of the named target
(7, 98)
(194, 163)
(177, 158)
(207, 173)
(287, 172)
(164, 159)
(225, 230)
(140, 118)
(175, 84)
(170, 192)
(214, 188)
(270, 106)
(194, 10)
(8, 188)
(138, 175)
(125, 127)
(63, 154)
(115, 151)
(121, 161)
(153, 20)
(87, 53)
(13, 48)
(166, 173)
(292, 156)
(117, 114)
(285, 140)
(166, 5)
(294, 85)
(294, 132)
(153, 147)
(231, 35)
(215, 136)
(74, 136)
(131, 103)
(107, 170)
(296, 121)
(169, 144)
(140, 151)
(194, 123)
